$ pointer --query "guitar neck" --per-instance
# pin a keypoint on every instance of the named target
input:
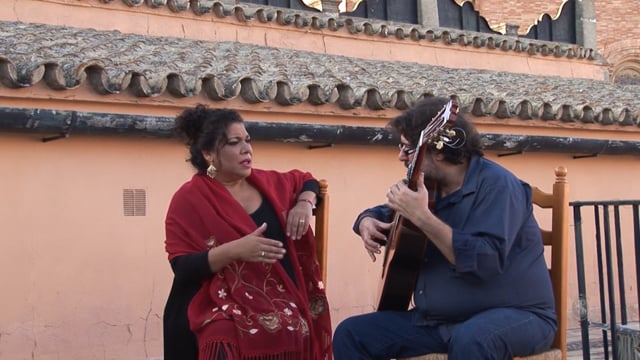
(415, 167)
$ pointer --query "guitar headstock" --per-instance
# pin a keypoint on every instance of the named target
(439, 130)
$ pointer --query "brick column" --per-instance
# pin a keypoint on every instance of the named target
(586, 24)
(428, 13)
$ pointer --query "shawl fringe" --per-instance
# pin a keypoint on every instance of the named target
(217, 350)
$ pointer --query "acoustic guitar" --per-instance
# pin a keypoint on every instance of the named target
(405, 246)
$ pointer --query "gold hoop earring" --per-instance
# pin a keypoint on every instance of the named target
(212, 171)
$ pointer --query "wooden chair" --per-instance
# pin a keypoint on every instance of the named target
(321, 228)
(557, 238)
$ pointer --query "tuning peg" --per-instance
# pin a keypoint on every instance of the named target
(439, 145)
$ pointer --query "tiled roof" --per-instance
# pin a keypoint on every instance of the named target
(145, 66)
(245, 12)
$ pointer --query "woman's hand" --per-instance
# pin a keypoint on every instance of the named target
(299, 218)
(256, 248)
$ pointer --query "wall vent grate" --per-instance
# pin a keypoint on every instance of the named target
(134, 202)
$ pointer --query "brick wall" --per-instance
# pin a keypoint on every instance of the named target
(524, 13)
(617, 21)
(617, 28)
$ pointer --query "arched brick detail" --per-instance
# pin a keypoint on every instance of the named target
(627, 72)
(623, 58)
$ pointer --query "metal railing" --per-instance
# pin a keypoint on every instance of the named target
(614, 224)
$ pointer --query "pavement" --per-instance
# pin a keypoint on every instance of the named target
(596, 349)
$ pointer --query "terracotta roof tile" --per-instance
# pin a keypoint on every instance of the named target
(245, 12)
(145, 66)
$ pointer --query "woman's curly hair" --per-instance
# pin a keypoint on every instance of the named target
(202, 128)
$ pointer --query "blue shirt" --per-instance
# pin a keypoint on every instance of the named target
(497, 246)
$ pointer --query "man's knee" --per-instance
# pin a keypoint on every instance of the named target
(345, 329)
(472, 343)
(473, 347)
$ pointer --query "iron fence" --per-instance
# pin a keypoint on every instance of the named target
(615, 228)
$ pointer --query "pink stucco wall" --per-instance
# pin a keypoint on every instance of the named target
(81, 281)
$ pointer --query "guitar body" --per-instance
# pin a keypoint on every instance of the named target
(406, 245)
(404, 253)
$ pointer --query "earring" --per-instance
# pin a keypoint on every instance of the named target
(212, 171)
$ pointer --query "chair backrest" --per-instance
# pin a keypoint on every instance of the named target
(321, 228)
(557, 239)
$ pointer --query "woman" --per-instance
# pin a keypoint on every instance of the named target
(247, 282)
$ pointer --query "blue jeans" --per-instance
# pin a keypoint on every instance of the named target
(493, 334)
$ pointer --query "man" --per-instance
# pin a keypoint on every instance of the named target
(483, 290)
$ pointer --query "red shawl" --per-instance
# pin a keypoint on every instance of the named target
(250, 310)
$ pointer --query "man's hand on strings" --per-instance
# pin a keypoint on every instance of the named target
(372, 232)
(408, 203)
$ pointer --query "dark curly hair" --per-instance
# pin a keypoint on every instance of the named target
(202, 128)
(415, 119)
